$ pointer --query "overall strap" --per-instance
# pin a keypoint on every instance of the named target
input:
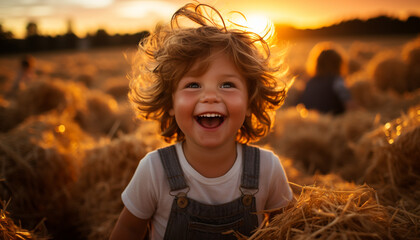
(251, 167)
(172, 167)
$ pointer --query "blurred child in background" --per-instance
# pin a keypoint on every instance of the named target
(326, 91)
(213, 89)
(25, 75)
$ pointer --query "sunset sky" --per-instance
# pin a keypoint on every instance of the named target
(121, 16)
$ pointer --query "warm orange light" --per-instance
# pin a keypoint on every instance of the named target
(261, 25)
(256, 23)
(60, 129)
(302, 110)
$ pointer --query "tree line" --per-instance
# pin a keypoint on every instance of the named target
(33, 42)
(377, 26)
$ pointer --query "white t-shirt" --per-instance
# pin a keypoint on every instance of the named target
(147, 194)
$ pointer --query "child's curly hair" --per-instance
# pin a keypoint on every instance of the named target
(167, 54)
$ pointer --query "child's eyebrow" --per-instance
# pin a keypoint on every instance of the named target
(231, 75)
(223, 75)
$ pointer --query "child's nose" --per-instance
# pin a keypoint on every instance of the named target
(210, 96)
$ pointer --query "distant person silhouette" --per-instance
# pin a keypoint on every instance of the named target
(326, 91)
(25, 75)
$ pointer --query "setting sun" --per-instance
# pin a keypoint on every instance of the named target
(261, 25)
(256, 23)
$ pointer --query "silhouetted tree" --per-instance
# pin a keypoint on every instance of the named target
(7, 43)
(34, 41)
(31, 29)
(101, 38)
(5, 34)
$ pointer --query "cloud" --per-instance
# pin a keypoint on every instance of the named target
(54, 3)
(30, 11)
(91, 3)
(143, 9)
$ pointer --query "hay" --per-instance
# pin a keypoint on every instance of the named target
(411, 55)
(363, 51)
(100, 115)
(107, 169)
(40, 159)
(389, 72)
(10, 231)
(388, 105)
(117, 87)
(324, 213)
(390, 154)
(327, 141)
(41, 97)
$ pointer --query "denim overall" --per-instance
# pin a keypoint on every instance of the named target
(190, 219)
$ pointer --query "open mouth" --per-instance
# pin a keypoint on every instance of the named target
(210, 120)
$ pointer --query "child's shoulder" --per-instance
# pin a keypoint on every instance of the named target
(266, 154)
(151, 159)
(171, 151)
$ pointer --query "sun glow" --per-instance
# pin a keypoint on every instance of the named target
(256, 23)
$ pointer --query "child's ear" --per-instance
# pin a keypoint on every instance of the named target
(171, 112)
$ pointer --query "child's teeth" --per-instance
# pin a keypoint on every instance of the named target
(210, 115)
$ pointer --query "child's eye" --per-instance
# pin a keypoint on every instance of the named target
(228, 85)
(192, 85)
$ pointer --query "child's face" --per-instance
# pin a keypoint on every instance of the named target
(210, 108)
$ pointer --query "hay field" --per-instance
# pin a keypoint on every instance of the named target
(69, 144)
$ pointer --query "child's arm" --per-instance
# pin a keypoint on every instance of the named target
(129, 226)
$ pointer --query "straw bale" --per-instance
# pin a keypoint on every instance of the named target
(324, 213)
(319, 142)
(117, 87)
(366, 95)
(9, 115)
(292, 133)
(389, 157)
(360, 53)
(40, 159)
(127, 121)
(41, 97)
(37, 98)
(101, 115)
(107, 169)
(363, 51)
(389, 73)
(411, 55)
(390, 154)
(388, 105)
(98, 114)
(86, 80)
(354, 66)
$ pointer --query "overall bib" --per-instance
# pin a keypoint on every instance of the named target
(190, 219)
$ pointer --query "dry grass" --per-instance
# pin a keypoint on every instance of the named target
(10, 231)
(107, 169)
(321, 213)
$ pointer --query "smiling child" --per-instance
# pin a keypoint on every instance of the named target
(213, 89)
